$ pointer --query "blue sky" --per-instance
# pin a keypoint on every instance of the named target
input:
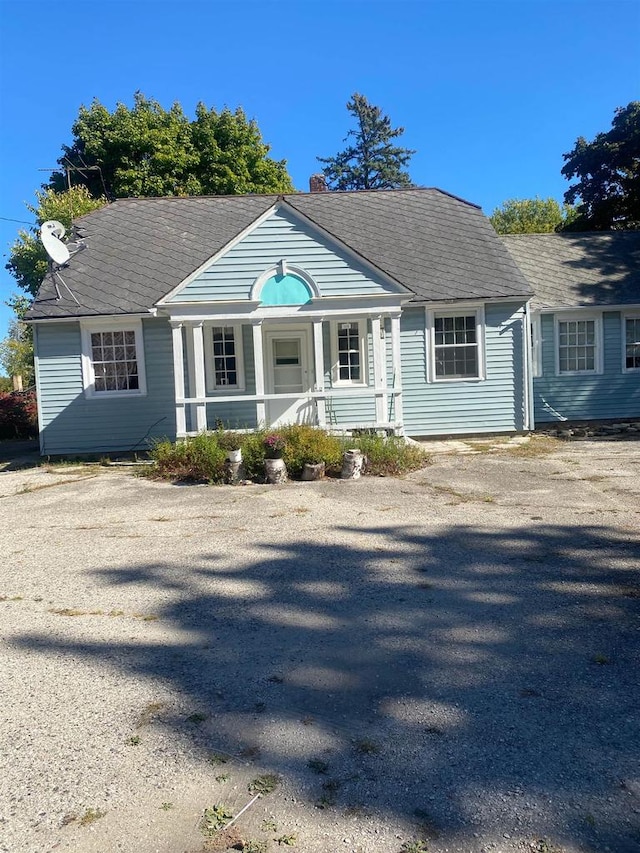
(491, 93)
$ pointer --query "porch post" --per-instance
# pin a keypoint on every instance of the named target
(318, 356)
(379, 369)
(258, 360)
(200, 387)
(397, 369)
(178, 378)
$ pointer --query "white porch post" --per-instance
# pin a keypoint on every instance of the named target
(318, 356)
(258, 360)
(379, 370)
(397, 369)
(178, 378)
(198, 366)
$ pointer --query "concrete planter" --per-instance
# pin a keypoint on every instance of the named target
(234, 456)
(313, 471)
(352, 463)
(275, 471)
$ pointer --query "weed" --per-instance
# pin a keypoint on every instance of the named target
(134, 740)
(68, 611)
(251, 846)
(537, 445)
(269, 825)
(590, 819)
(600, 659)
(149, 713)
(223, 777)
(214, 818)
(217, 758)
(276, 679)
(367, 747)
(90, 815)
(166, 807)
(115, 613)
(307, 721)
(70, 817)
(264, 784)
(287, 840)
(197, 718)
(418, 846)
(317, 765)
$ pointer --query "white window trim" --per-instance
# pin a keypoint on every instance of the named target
(598, 355)
(127, 324)
(536, 346)
(455, 311)
(210, 374)
(363, 336)
(628, 315)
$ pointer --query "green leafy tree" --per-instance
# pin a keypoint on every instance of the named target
(16, 350)
(530, 216)
(607, 191)
(150, 151)
(372, 161)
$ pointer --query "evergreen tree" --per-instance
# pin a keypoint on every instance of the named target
(372, 161)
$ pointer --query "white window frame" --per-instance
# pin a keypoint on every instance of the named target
(363, 337)
(210, 373)
(87, 327)
(598, 365)
(457, 311)
(536, 346)
(628, 315)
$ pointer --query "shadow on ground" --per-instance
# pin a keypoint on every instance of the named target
(473, 680)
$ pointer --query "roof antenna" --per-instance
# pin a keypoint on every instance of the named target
(51, 234)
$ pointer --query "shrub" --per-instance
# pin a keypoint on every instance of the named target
(18, 415)
(387, 456)
(198, 459)
(308, 445)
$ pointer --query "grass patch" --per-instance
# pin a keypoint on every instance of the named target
(537, 445)
(197, 718)
(366, 747)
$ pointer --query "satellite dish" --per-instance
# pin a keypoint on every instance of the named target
(51, 234)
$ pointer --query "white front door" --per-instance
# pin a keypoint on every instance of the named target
(287, 359)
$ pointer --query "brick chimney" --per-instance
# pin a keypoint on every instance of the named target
(318, 183)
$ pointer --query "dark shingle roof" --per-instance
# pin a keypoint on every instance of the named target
(579, 269)
(435, 245)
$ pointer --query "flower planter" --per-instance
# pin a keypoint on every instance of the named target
(352, 463)
(234, 456)
(313, 471)
(275, 471)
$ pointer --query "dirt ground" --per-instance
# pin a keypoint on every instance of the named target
(444, 662)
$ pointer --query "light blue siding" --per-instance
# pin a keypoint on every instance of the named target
(495, 404)
(73, 423)
(282, 236)
(612, 394)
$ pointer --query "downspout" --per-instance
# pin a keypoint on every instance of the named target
(528, 369)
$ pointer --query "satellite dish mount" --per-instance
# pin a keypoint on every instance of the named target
(51, 234)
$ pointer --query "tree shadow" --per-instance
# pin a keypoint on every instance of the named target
(605, 267)
(485, 681)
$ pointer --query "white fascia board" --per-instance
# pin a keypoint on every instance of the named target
(454, 304)
(371, 268)
(219, 254)
(587, 309)
(95, 318)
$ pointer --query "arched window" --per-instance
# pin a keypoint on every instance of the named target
(284, 285)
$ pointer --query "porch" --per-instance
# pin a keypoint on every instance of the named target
(334, 372)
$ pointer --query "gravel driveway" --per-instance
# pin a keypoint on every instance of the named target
(451, 658)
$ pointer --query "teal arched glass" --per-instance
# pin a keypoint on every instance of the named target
(285, 290)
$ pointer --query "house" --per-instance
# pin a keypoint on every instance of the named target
(398, 309)
(585, 321)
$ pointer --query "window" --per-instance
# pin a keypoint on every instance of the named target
(631, 343)
(113, 359)
(456, 351)
(577, 346)
(223, 350)
(349, 367)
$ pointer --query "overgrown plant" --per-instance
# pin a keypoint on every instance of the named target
(202, 457)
